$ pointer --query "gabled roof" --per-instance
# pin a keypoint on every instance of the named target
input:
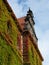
(21, 22)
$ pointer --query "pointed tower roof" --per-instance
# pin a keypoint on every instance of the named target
(29, 12)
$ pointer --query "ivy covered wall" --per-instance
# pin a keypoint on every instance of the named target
(33, 55)
(9, 55)
(5, 17)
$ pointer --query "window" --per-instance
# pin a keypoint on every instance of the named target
(36, 60)
(9, 26)
(20, 42)
(32, 53)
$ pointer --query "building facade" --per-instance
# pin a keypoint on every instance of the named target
(31, 53)
(18, 41)
(9, 53)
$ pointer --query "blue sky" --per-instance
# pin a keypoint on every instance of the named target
(40, 10)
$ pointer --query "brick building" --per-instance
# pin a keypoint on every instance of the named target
(18, 41)
(31, 53)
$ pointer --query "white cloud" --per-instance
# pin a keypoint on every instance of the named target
(19, 8)
(16, 8)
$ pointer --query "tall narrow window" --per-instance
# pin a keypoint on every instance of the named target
(36, 60)
(9, 26)
(33, 56)
(32, 53)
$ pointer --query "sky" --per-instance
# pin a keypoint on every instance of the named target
(40, 10)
